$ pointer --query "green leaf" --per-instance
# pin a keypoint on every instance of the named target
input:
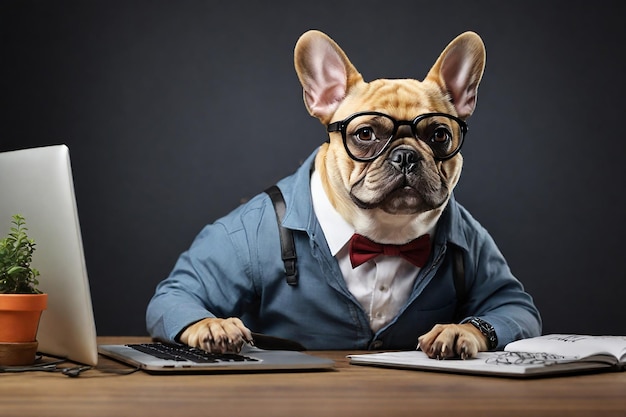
(16, 270)
(16, 253)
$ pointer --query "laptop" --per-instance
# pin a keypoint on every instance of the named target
(43, 192)
(166, 358)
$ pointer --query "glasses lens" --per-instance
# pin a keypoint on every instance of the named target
(442, 133)
(366, 135)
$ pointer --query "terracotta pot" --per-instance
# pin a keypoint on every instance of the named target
(19, 321)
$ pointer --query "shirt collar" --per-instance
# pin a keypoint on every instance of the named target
(449, 226)
(336, 230)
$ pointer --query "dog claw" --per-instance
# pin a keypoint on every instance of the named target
(464, 352)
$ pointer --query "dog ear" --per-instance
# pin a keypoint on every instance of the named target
(325, 72)
(458, 71)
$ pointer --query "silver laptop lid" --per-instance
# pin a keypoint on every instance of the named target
(38, 184)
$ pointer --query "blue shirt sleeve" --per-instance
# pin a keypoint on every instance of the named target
(495, 295)
(208, 280)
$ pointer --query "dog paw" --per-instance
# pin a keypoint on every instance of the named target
(448, 341)
(217, 335)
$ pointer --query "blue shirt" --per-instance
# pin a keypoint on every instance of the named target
(234, 269)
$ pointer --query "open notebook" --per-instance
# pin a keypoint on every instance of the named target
(43, 193)
(547, 355)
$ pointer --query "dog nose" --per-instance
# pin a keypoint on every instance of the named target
(404, 159)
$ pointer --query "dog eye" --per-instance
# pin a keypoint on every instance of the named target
(441, 135)
(365, 134)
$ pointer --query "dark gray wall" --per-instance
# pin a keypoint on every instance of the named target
(176, 111)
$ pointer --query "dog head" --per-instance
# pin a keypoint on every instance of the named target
(392, 160)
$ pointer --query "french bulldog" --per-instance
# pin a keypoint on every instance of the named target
(390, 164)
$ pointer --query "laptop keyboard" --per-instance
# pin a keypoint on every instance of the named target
(186, 353)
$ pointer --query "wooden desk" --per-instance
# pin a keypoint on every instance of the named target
(347, 391)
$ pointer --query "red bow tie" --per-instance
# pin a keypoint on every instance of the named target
(362, 250)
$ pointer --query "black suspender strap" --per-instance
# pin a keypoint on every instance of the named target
(287, 246)
(458, 270)
(458, 275)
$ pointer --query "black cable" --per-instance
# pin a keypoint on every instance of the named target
(53, 366)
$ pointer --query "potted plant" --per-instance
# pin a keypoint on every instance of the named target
(21, 302)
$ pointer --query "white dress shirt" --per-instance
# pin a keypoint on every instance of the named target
(381, 285)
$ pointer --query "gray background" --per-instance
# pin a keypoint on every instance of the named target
(175, 112)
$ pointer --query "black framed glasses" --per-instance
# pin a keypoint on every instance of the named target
(366, 135)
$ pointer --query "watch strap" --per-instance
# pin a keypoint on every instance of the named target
(487, 330)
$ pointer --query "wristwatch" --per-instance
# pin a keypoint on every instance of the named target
(487, 330)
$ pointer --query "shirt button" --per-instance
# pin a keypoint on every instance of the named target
(383, 288)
